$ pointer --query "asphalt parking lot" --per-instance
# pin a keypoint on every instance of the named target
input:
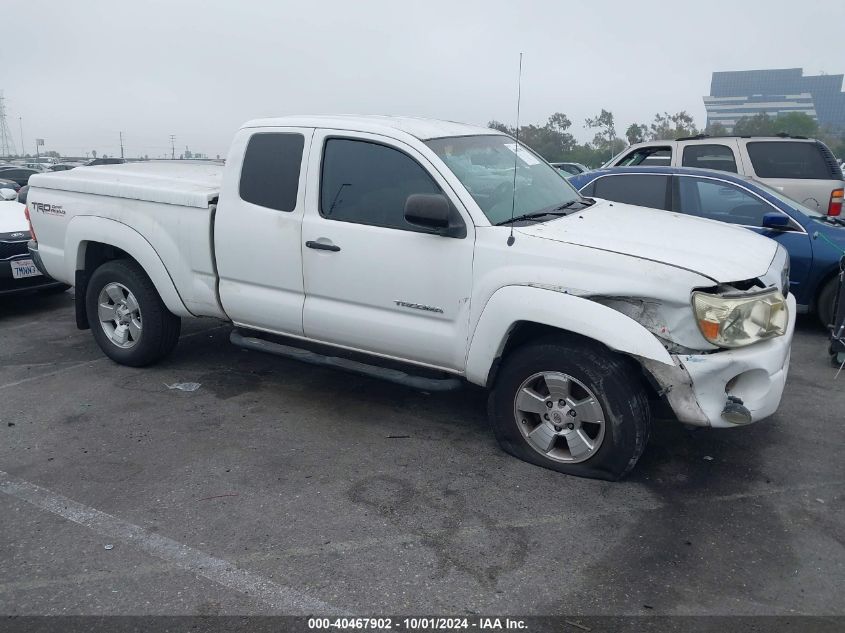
(278, 487)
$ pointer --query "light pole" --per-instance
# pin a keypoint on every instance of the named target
(20, 122)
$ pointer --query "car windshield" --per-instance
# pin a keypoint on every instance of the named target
(485, 166)
(811, 213)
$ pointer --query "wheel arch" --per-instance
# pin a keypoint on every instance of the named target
(92, 241)
(515, 315)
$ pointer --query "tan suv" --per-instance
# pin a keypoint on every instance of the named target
(803, 169)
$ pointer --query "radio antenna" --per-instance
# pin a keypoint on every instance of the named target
(511, 238)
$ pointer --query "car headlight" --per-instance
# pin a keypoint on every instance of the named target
(734, 321)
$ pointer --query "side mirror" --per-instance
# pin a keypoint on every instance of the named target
(432, 211)
(22, 194)
(777, 221)
(8, 194)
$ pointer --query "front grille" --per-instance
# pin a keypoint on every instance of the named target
(13, 249)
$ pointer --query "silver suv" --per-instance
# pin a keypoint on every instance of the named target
(803, 169)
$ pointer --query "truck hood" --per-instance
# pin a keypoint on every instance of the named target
(12, 218)
(722, 252)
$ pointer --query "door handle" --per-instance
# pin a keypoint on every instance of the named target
(322, 246)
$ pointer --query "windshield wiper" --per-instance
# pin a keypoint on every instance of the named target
(555, 210)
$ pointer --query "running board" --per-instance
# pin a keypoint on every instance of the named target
(345, 364)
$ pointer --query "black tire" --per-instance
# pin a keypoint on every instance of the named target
(616, 384)
(160, 330)
(825, 305)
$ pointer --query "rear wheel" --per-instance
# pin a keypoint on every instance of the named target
(571, 406)
(128, 319)
(825, 306)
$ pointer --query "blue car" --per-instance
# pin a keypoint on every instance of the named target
(815, 242)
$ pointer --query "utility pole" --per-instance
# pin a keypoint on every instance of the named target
(20, 122)
(7, 145)
(121, 144)
(172, 147)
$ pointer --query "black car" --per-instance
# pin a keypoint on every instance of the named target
(19, 174)
(18, 272)
(9, 184)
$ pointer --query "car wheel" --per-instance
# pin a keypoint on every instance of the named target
(825, 306)
(571, 406)
(128, 319)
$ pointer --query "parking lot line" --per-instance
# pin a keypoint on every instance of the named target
(89, 362)
(279, 598)
(23, 381)
(347, 547)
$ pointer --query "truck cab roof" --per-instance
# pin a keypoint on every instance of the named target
(421, 128)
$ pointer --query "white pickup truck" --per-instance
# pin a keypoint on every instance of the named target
(427, 253)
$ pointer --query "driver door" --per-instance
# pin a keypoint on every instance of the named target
(374, 282)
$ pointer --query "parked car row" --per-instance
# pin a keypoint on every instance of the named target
(802, 169)
(18, 273)
(19, 175)
(815, 241)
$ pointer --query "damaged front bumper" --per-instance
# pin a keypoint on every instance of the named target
(729, 387)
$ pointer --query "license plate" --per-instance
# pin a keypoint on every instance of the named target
(22, 268)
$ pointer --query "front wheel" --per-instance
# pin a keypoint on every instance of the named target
(128, 319)
(571, 406)
(826, 306)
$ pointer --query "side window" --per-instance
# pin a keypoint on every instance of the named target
(719, 200)
(270, 170)
(368, 183)
(792, 159)
(589, 190)
(645, 190)
(719, 157)
(648, 157)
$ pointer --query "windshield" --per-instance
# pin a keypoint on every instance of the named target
(485, 166)
(789, 201)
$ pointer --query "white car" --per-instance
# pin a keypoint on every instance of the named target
(401, 245)
(18, 273)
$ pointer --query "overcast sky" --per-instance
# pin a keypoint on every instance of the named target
(79, 72)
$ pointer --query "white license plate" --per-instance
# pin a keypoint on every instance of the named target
(22, 268)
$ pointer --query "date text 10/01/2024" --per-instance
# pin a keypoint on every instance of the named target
(424, 623)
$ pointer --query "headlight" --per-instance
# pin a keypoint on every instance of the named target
(736, 321)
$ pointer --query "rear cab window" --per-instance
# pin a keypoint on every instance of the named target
(709, 156)
(791, 159)
(270, 170)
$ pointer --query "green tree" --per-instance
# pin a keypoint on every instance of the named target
(551, 140)
(636, 133)
(501, 127)
(796, 124)
(760, 124)
(671, 126)
(716, 129)
(605, 126)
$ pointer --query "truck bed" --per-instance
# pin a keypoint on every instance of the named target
(183, 183)
(162, 210)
